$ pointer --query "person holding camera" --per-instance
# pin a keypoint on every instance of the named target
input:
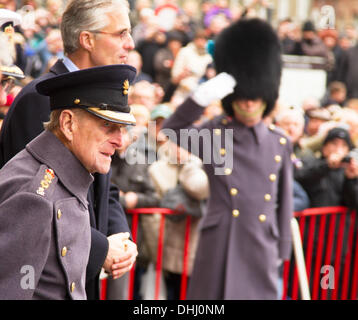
(332, 178)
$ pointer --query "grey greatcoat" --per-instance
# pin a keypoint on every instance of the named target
(44, 223)
(246, 230)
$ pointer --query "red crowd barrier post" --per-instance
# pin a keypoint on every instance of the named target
(184, 277)
(159, 257)
(134, 231)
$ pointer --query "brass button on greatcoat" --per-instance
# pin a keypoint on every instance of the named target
(64, 251)
(235, 213)
(283, 141)
(228, 171)
(262, 217)
(222, 151)
(272, 177)
(267, 197)
(233, 191)
(59, 214)
(278, 158)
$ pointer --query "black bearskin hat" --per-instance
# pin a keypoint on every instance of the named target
(250, 51)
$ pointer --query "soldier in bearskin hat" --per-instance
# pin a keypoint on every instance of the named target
(245, 234)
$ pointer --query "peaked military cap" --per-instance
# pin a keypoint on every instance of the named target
(102, 91)
(9, 18)
(12, 72)
(250, 51)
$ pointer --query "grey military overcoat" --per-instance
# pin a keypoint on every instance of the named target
(44, 223)
(246, 230)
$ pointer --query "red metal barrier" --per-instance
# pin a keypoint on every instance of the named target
(330, 238)
(134, 229)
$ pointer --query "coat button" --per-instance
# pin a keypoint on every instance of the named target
(222, 151)
(59, 214)
(283, 141)
(233, 191)
(272, 177)
(235, 213)
(267, 197)
(64, 251)
(217, 132)
(73, 286)
(228, 171)
(278, 158)
(262, 217)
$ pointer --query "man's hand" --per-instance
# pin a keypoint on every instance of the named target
(121, 255)
(351, 170)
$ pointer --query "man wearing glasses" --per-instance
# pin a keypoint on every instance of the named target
(94, 33)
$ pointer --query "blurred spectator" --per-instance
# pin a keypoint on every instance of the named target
(351, 34)
(182, 185)
(190, 63)
(164, 59)
(137, 191)
(344, 41)
(54, 48)
(55, 10)
(143, 92)
(331, 179)
(217, 24)
(286, 36)
(337, 93)
(350, 72)
(136, 9)
(315, 131)
(292, 121)
(146, 20)
(330, 39)
(221, 7)
(352, 104)
(135, 60)
(166, 13)
(9, 24)
(148, 47)
(310, 44)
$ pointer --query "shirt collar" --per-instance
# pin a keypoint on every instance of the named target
(69, 64)
(49, 150)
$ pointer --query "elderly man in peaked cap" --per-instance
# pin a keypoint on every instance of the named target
(245, 234)
(95, 33)
(45, 236)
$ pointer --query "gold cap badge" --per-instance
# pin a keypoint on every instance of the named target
(125, 87)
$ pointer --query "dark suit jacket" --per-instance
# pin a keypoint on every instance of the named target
(24, 122)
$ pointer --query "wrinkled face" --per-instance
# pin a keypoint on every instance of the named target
(94, 141)
(248, 112)
(113, 43)
(337, 146)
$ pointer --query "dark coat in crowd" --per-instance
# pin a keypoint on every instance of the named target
(350, 70)
(246, 230)
(325, 186)
(23, 122)
(44, 223)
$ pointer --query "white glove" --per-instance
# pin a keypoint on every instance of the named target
(214, 89)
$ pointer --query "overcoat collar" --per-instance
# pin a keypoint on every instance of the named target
(49, 150)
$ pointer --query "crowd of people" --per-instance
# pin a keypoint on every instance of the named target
(172, 47)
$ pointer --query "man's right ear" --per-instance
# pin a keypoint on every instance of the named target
(86, 40)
